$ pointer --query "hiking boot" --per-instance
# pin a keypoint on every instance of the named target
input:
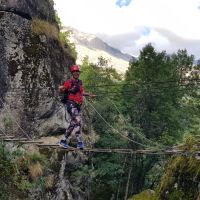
(63, 143)
(80, 145)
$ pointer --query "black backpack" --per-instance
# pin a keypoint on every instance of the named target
(75, 87)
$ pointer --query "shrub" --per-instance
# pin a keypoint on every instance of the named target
(7, 121)
(68, 46)
(20, 172)
(35, 171)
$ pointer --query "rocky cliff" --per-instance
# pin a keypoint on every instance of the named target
(32, 65)
(30, 9)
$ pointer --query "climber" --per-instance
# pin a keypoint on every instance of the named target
(73, 87)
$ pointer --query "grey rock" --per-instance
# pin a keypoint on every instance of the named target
(30, 9)
(32, 66)
(31, 69)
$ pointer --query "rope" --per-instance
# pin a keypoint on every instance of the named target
(137, 91)
(134, 84)
(127, 138)
(14, 120)
(2, 131)
(124, 119)
(127, 94)
(127, 151)
(143, 83)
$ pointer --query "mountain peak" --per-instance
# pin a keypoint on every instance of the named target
(90, 45)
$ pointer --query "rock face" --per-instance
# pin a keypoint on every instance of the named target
(67, 183)
(31, 68)
(30, 9)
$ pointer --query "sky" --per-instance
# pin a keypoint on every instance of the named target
(129, 25)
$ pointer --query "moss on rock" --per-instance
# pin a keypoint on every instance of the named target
(181, 177)
(145, 195)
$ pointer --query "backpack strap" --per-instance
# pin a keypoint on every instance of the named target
(80, 82)
(75, 87)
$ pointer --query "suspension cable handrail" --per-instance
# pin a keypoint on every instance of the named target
(127, 138)
(14, 120)
(138, 133)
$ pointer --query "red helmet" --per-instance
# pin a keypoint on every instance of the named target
(74, 68)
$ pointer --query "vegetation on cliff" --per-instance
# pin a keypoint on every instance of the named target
(152, 105)
(21, 172)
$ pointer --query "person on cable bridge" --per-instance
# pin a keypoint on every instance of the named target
(73, 87)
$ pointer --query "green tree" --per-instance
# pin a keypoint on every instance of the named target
(58, 20)
(158, 100)
(157, 88)
(108, 168)
(68, 46)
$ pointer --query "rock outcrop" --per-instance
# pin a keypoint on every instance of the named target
(30, 9)
(32, 65)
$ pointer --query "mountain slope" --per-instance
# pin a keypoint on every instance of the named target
(93, 47)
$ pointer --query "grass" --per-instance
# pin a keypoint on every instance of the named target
(35, 171)
(41, 27)
(44, 27)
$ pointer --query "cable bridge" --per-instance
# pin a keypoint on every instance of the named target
(173, 151)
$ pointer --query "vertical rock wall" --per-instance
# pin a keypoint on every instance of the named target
(30, 9)
(31, 68)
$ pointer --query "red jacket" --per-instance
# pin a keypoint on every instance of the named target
(78, 96)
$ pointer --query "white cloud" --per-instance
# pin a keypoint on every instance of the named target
(154, 37)
(104, 17)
